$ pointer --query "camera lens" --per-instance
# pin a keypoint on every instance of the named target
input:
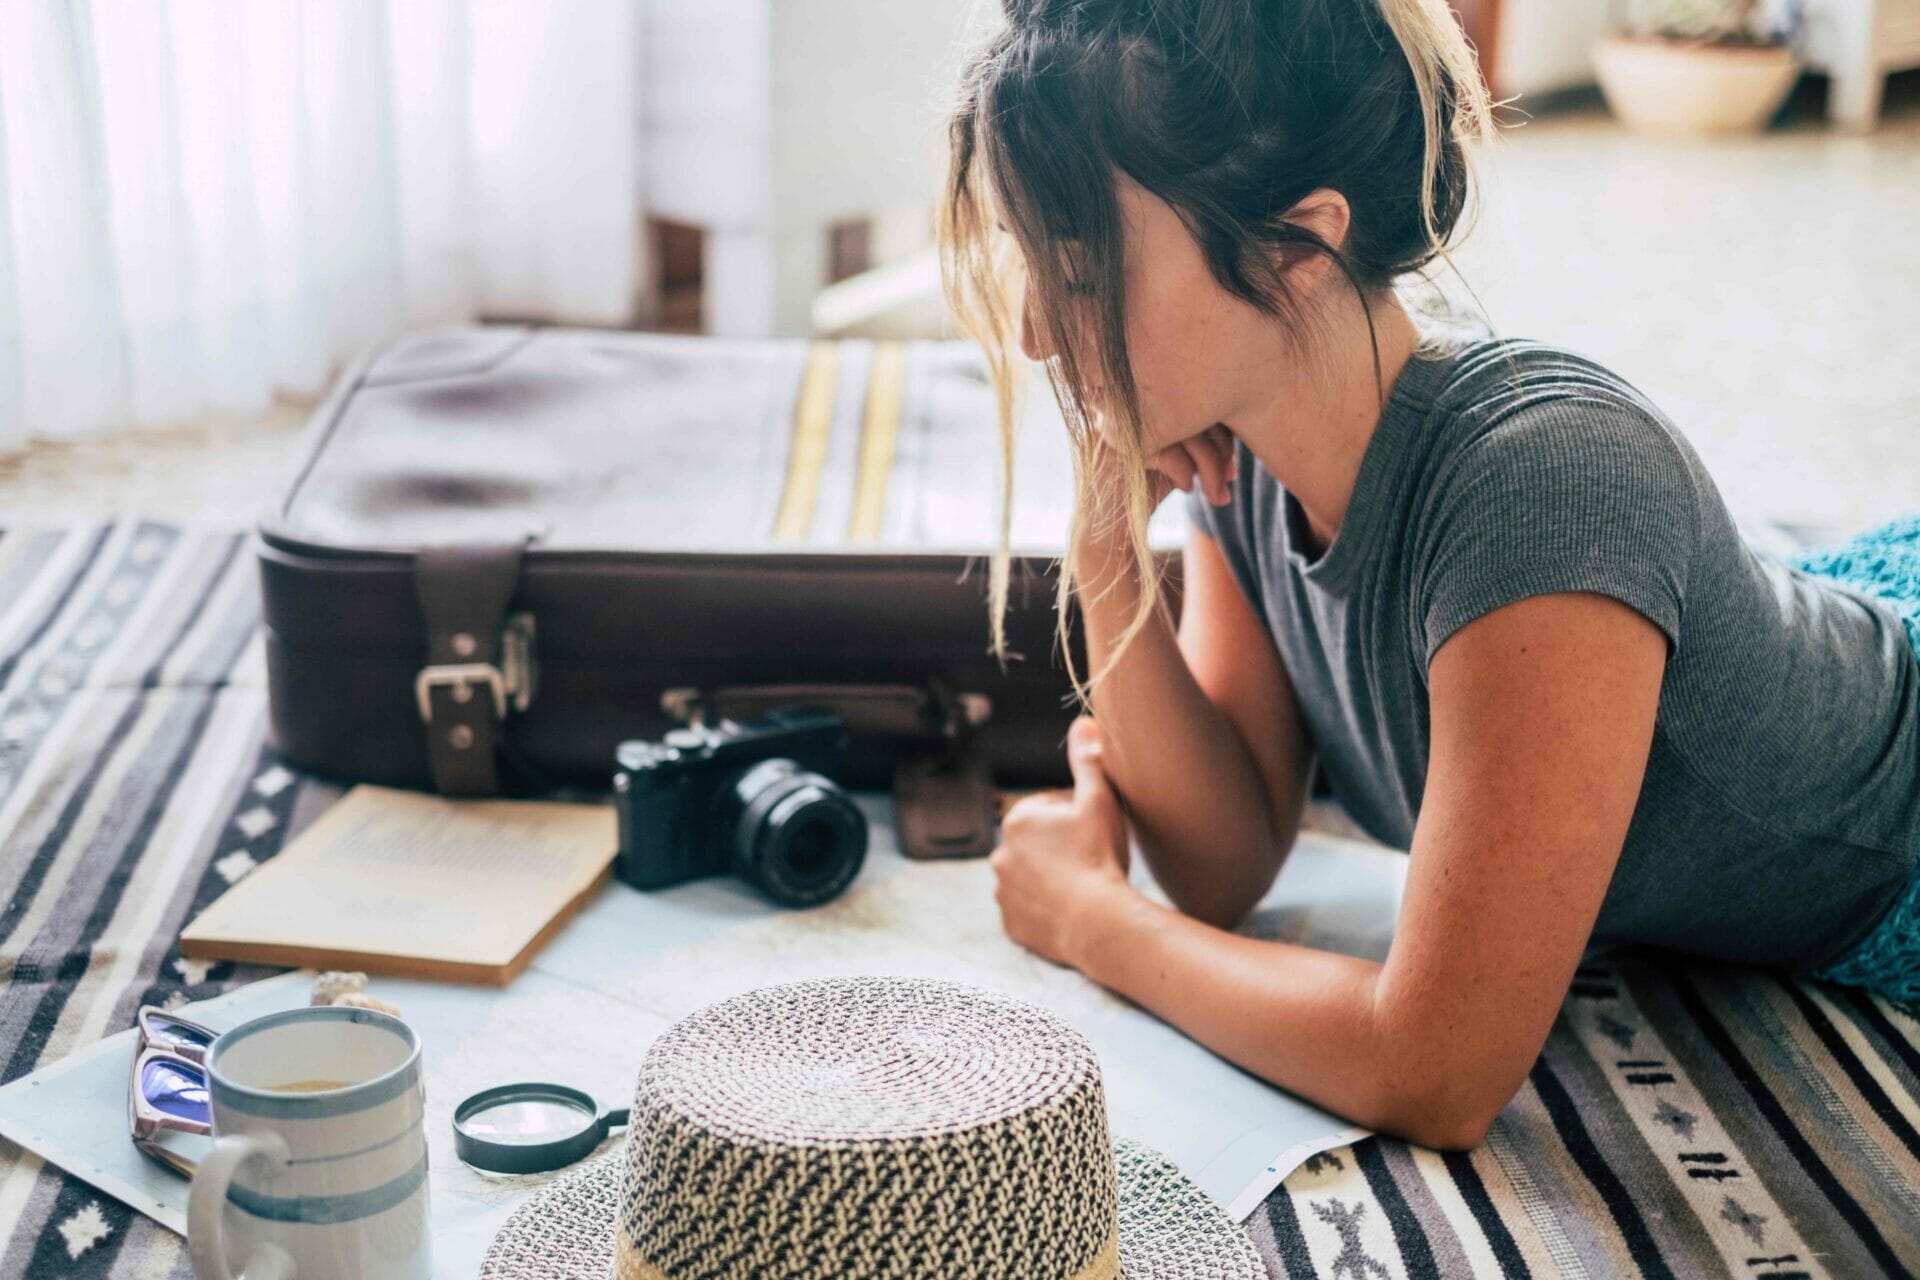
(794, 835)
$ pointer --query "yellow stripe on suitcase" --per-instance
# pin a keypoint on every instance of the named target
(812, 422)
(878, 430)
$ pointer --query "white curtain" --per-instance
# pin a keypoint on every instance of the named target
(203, 202)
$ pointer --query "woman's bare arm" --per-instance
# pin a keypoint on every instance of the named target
(1543, 715)
(1203, 736)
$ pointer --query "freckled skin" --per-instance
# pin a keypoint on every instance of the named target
(1542, 715)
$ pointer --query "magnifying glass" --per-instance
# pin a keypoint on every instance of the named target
(530, 1128)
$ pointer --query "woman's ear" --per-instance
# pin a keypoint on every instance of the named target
(1324, 212)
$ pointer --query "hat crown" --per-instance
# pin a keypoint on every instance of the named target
(868, 1127)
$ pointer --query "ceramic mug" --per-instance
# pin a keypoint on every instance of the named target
(319, 1162)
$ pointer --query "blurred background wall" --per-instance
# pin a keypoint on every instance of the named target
(204, 203)
(207, 206)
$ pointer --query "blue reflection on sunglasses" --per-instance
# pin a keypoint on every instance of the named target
(159, 1024)
(176, 1089)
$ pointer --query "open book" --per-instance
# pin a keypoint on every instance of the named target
(415, 886)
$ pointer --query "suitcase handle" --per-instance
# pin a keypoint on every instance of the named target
(890, 710)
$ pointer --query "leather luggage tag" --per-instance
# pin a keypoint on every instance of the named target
(945, 806)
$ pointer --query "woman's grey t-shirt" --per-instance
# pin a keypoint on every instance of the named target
(1780, 812)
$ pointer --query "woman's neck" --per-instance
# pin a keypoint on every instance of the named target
(1310, 428)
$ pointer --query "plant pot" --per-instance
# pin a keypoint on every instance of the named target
(1678, 88)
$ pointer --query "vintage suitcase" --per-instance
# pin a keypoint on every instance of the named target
(507, 549)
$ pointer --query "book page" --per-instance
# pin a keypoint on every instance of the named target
(399, 873)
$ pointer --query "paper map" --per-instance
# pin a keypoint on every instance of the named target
(631, 963)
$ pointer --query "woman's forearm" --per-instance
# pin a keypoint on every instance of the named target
(1192, 791)
(1308, 1021)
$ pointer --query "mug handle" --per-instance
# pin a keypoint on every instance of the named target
(206, 1204)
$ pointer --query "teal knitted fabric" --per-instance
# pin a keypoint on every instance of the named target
(1883, 563)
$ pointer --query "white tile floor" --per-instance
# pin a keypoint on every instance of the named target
(1765, 292)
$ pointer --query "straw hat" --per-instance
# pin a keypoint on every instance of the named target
(871, 1127)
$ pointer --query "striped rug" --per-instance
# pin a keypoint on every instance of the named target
(1682, 1121)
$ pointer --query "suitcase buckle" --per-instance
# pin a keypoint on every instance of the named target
(517, 664)
(460, 676)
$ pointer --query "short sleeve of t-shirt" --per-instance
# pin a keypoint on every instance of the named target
(1573, 494)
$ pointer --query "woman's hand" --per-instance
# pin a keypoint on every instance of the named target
(1062, 856)
(1208, 456)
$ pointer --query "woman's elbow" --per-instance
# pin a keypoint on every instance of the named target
(1225, 901)
(1441, 1114)
(1446, 1129)
(1434, 1086)
(1224, 906)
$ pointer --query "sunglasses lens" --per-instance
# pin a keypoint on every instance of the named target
(175, 1089)
(163, 1027)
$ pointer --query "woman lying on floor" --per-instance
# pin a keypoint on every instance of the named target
(1483, 581)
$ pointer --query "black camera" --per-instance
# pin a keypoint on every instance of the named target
(755, 798)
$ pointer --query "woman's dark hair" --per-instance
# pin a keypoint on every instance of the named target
(1230, 111)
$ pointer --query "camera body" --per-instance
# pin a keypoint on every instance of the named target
(755, 798)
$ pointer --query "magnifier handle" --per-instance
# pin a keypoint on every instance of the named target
(618, 1119)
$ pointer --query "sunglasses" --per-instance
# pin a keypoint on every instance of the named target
(167, 1092)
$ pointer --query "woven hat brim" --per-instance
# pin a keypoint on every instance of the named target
(1169, 1228)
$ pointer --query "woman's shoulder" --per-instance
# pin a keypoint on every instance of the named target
(1493, 376)
(1542, 471)
(1503, 403)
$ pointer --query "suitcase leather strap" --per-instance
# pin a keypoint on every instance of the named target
(463, 693)
(945, 805)
(889, 710)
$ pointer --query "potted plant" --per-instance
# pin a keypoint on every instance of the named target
(1693, 67)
